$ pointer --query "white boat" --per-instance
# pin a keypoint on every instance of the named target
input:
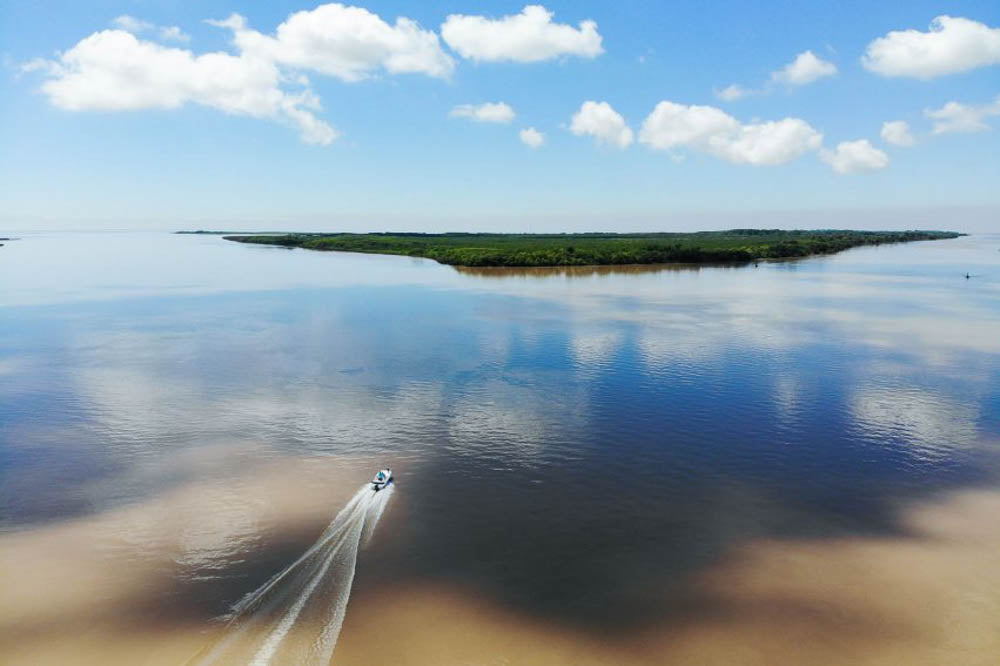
(382, 479)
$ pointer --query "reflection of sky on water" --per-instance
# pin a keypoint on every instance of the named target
(933, 424)
(702, 405)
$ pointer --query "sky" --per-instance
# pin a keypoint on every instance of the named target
(500, 116)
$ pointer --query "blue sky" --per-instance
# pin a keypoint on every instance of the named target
(149, 149)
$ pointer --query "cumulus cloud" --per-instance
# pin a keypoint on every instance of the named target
(530, 36)
(671, 125)
(851, 156)
(490, 112)
(732, 93)
(955, 117)
(599, 120)
(115, 70)
(806, 68)
(137, 26)
(531, 137)
(897, 132)
(952, 45)
(711, 130)
(350, 43)
(112, 70)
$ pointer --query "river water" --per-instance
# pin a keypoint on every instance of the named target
(794, 462)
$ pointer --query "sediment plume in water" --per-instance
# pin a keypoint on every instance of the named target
(296, 616)
(926, 596)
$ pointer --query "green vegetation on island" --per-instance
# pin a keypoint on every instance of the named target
(485, 249)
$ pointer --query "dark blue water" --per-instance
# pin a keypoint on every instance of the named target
(607, 431)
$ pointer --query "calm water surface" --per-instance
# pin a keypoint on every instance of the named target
(573, 448)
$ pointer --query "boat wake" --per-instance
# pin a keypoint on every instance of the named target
(296, 616)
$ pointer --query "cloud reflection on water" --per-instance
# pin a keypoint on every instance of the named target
(705, 408)
(932, 424)
(321, 380)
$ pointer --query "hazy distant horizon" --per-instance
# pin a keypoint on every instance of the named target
(966, 219)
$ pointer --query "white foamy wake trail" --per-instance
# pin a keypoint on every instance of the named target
(296, 616)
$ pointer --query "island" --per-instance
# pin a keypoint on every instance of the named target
(595, 249)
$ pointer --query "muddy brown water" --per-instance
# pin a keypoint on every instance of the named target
(793, 463)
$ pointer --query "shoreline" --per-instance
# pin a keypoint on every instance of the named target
(482, 250)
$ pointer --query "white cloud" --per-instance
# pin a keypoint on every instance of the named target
(174, 34)
(137, 26)
(952, 45)
(806, 68)
(599, 120)
(131, 24)
(350, 43)
(769, 143)
(955, 117)
(671, 125)
(897, 132)
(530, 36)
(37, 65)
(732, 93)
(112, 70)
(713, 131)
(851, 156)
(490, 112)
(532, 137)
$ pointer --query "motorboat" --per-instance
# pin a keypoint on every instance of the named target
(382, 479)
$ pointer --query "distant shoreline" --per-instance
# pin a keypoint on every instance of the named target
(595, 249)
